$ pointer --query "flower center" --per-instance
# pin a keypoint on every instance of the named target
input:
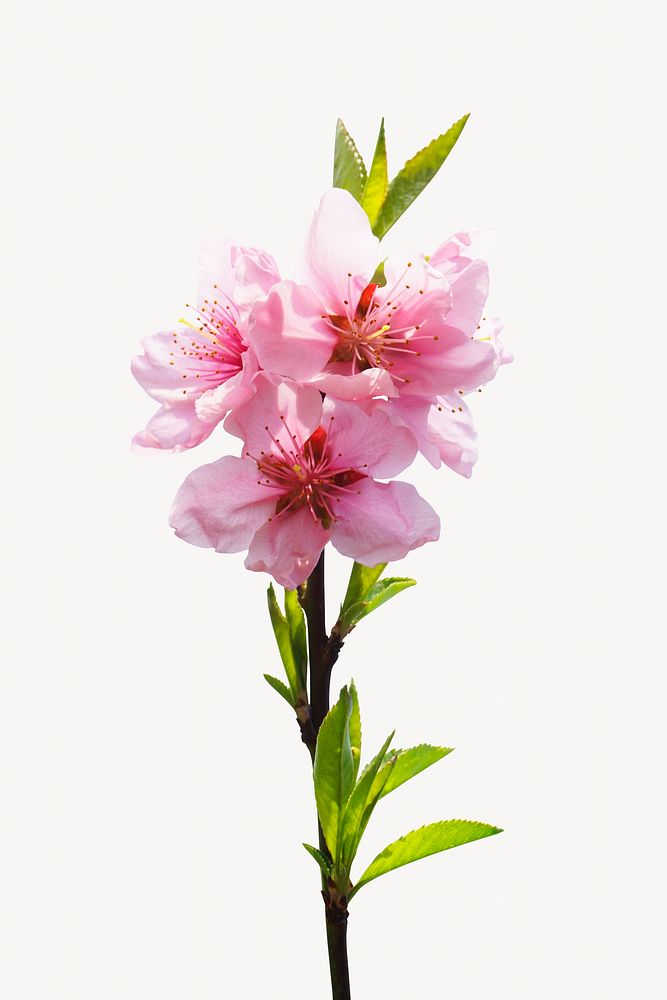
(211, 350)
(307, 475)
(367, 336)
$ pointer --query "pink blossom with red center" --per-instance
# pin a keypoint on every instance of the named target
(415, 340)
(307, 476)
(200, 370)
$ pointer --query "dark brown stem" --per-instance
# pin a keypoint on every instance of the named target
(337, 943)
(320, 671)
(322, 654)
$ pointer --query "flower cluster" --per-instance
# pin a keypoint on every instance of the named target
(332, 385)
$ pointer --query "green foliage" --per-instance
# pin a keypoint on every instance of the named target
(384, 202)
(334, 770)
(349, 171)
(324, 863)
(375, 190)
(405, 764)
(431, 839)
(379, 277)
(361, 580)
(281, 688)
(296, 621)
(290, 632)
(345, 802)
(361, 803)
(355, 729)
(414, 177)
(366, 592)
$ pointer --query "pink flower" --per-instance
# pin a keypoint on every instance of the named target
(198, 372)
(414, 340)
(307, 476)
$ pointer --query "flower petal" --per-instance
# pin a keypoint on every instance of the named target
(276, 412)
(215, 268)
(459, 251)
(156, 369)
(364, 385)
(469, 295)
(256, 272)
(368, 441)
(214, 404)
(382, 522)
(444, 431)
(341, 251)
(448, 361)
(490, 330)
(288, 334)
(221, 505)
(288, 548)
(175, 427)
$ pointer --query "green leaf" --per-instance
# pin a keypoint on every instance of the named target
(379, 277)
(349, 171)
(284, 639)
(375, 190)
(355, 729)
(384, 590)
(323, 862)
(333, 770)
(414, 177)
(361, 580)
(296, 621)
(405, 764)
(281, 688)
(431, 839)
(374, 598)
(360, 805)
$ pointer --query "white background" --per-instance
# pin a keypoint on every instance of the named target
(153, 792)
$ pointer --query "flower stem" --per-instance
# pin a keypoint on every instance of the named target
(322, 655)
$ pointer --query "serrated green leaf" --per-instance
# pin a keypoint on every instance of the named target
(349, 170)
(355, 729)
(361, 580)
(296, 621)
(375, 190)
(410, 762)
(414, 177)
(283, 639)
(431, 839)
(384, 590)
(323, 862)
(281, 688)
(333, 770)
(375, 597)
(360, 805)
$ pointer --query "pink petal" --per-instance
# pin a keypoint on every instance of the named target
(364, 385)
(458, 252)
(256, 272)
(288, 547)
(156, 374)
(341, 251)
(452, 362)
(490, 330)
(276, 412)
(370, 441)
(469, 294)
(444, 431)
(215, 268)
(221, 505)
(214, 404)
(288, 334)
(382, 522)
(175, 427)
